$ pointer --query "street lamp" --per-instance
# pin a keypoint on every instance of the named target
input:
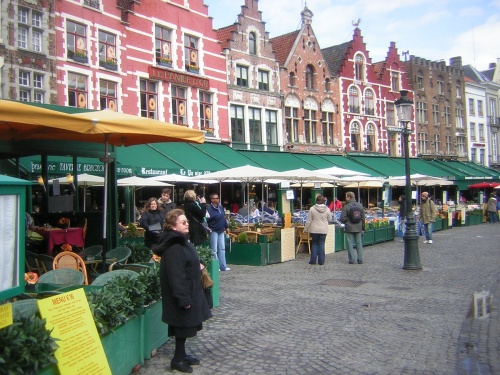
(404, 107)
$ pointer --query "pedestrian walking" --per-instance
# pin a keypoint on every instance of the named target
(196, 210)
(217, 222)
(353, 217)
(317, 225)
(492, 209)
(184, 305)
(427, 216)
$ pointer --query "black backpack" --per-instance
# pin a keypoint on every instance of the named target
(355, 214)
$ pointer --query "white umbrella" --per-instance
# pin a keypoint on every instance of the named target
(180, 178)
(341, 172)
(244, 174)
(83, 180)
(140, 181)
(302, 176)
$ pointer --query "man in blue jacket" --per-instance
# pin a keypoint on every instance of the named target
(217, 222)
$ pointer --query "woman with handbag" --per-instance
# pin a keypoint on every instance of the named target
(152, 221)
(184, 305)
(196, 209)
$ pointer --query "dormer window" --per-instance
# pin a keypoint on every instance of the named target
(252, 43)
(359, 67)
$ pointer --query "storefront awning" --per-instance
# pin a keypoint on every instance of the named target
(146, 161)
(470, 171)
(428, 168)
(385, 166)
(276, 161)
(226, 155)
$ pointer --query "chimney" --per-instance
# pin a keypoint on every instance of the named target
(492, 66)
(456, 62)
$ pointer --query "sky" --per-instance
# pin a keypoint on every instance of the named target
(430, 29)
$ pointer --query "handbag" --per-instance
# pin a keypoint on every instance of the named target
(206, 280)
(204, 224)
(155, 228)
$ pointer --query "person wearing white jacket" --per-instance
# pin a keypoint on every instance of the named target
(317, 225)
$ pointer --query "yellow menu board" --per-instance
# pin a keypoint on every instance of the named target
(80, 349)
(6, 315)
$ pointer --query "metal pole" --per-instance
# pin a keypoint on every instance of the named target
(410, 237)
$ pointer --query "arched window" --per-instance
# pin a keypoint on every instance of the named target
(309, 77)
(370, 137)
(359, 67)
(252, 43)
(292, 79)
(355, 136)
(353, 99)
(369, 102)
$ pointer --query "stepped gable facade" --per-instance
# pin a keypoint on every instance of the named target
(306, 87)
(254, 104)
(365, 93)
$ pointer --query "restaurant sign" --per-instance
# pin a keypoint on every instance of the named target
(152, 172)
(179, 78)
(55, 167)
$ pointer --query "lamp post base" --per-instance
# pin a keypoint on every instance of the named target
(412, 256)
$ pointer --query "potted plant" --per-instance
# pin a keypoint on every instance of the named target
(165, 61)
(110, 63)
(79, 55)
(31, 349)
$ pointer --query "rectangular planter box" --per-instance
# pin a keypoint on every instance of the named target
(380, 234)
(213, 271)
(124, 347)
(155, 330)
(340, 244)
(368, 237)
(251, 254)
(391, 232)
(274, 252)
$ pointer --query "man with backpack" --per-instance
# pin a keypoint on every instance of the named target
(353, 217)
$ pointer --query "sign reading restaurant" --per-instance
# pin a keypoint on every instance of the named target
(179, 78)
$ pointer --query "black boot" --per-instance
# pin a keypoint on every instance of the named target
(190, 360)
(181, 366)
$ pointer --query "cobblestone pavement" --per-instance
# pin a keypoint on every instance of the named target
(373, 318)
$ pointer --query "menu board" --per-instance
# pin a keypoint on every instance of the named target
(9, 245)
(80, 349)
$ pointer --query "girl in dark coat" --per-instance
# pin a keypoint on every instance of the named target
(196, 209)
(184, 304)
(151, 216)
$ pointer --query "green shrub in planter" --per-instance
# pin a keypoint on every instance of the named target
(121, 299)
(27, 347)
(205, 254)
(140, 252)
(151, 281)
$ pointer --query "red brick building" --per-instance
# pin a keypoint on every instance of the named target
(364, 95)
(307, 91)
(153, 59)
(252, 81)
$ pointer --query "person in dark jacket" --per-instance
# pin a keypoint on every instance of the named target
(195, 209)
(165, 204)
(353, 231)
(184, 305)
(217, 222)
(152, 221)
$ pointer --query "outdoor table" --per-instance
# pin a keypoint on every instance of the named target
(57, 236)
(95, 261)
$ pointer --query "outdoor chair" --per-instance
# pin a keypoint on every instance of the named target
(82, 224)
(45, 263)
(70, 260)
(25, 308)
(121, 254)
(62, 276)
(105, 278)
(130, 266)
(30, 259)
(92, 251)
(302, 238)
